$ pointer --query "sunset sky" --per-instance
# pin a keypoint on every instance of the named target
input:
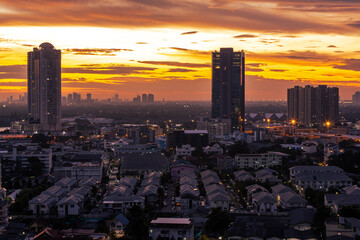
(163, 47)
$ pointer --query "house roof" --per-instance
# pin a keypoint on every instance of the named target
(145, 162)
(121, 218)
(301, 215)
(264, 197)
(174, 221)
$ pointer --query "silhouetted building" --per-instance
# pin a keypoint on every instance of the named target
(76, 97)
(137, 99)
(151, 98)
(88, 97)
(144, 98)
(44, 87)
(69, 98)
(195, 138)
(228, 87)
(309, 105)
(356, 98)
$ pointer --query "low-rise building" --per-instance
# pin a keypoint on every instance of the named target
(184, 150)
(215, 149)
(264, 160)
(348, 198)
(171, 228)
(121, 204)
(286, 197)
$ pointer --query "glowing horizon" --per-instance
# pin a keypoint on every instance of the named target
(163, 47)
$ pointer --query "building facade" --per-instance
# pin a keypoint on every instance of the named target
(228, 87)
(264, 160)
(44, 87)
(309, 105)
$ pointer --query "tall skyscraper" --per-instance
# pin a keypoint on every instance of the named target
(144, 98)
(356, 98)
(44, 87)
(228, 87)
(88, 97)
(151, 98)
(310, 104)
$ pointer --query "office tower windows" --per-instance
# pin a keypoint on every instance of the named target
(228, 87)
(44, 87)
(308, 105)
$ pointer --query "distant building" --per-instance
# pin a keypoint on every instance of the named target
(195, 138)
(22, 155)
(215, 127)
(264, 160)
(144, 98)
(151, 98)
(137, 164)
(44, 87)
(309, 105)
(137, 99)
(184, 150)
(171, 228)
(356, 98)
(88, 97)
(318, 178)
(228, 87)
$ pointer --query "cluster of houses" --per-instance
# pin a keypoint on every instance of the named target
(216, 194)
(188, 190)
(65, 198)
(318, 178)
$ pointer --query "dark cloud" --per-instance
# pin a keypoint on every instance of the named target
(177, 64)
(290, 36)
(350, 64)
(278, 70)
(250, 69)
(28, 45)
(255, 64)
(180, 70)
(191, 51)
(188, 33)
(270, 41)
(332, 46)
(355, 24)
(95, 51)
(245, 36)
(13, 72)
(179, 49)
(164, 13)
(107, 69)
(304, 55)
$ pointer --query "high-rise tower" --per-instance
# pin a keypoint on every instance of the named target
(309, 105)
(44, 87)
(228, 87)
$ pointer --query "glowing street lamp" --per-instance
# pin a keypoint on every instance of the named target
(328, 124)
(268, 121)
(293, 122)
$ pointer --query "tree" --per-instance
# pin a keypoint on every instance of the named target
(218, 222)
(350, 211)
(137, 228)
(238, 148)
(36, 166)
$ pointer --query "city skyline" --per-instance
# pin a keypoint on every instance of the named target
(111, 47)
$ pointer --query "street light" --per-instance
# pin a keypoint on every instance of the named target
(328, 124)
(268, 121)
